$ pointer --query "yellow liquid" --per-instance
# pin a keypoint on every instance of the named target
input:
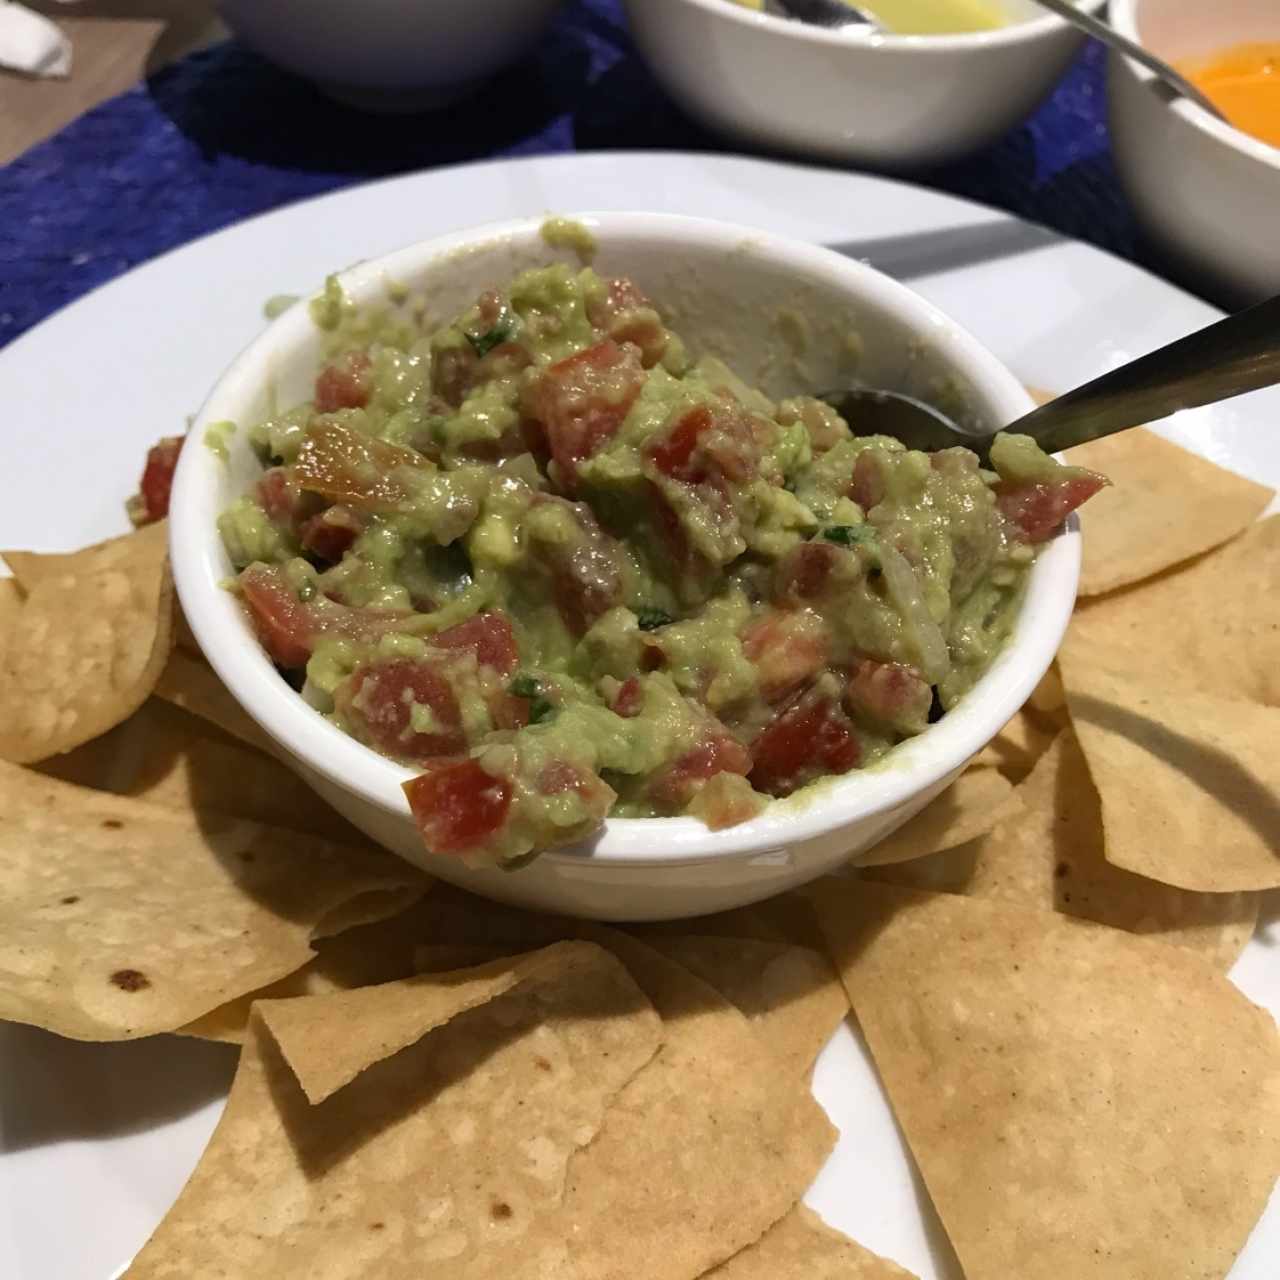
(935, 17)
(926, 17)
(1244, 84)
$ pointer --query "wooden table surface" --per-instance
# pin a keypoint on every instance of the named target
(114, 44)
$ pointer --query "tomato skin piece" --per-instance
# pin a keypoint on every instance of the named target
(489, 636)
(457, 806)
(719, 752)
(1036, 509)
(581, 402)
(157, 479)
(362, 471)
(810, 737)
(344, 384)
(283, 623)
(377, 702)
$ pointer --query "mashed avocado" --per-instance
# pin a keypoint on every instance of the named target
(564, 571)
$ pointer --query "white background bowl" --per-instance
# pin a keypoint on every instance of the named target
(1209, 194)
(390, 54)
(727, 286)
(851, 94)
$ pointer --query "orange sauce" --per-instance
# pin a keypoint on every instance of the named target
(1243, 82)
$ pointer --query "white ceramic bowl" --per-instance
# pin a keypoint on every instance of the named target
(390, 55)
(1209, 194)
(851, 94)
(729, 285)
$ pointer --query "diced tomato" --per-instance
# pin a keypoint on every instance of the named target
(362, 471)
(581, 402)
(378, 700)
(627, 315)
(867, 484)
(489, 636)
(344, 384)
(709, 444)
(629, 699)
(623, 295)
(586, 573)
(809, 737)
(457, 805)
(788, 647)
(279, 496)
(1037, 509)
(508, 711)
(288, 627)
(720, 752)
(157, 481)
(725, 801)
(891, 693)
(330, 534)
(284, 624)
(805, 571)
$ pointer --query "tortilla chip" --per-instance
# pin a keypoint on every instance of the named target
(1051, 858)
(447, 1158)
(1189, 782)
(1082, 1103)
(190, 683)
(11, 598)
(83, 653)
(803, 1247)
(969, 807)
(1048, 697)
(121, 919)
(149, 544)
(1210, 627)
(167, 757)
(329, 1052)
(790, 995)
(1165, 505)
(1016, 748)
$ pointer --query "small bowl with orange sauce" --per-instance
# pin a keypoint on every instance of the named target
(1207, 190)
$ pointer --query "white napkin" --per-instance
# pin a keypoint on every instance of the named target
(30, 42)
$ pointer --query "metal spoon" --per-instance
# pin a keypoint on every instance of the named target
(822, 13)
(1122, 44)
(1228, 358)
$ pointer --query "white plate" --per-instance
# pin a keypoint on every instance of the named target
(96, 1140)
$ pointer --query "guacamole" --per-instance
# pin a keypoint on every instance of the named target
(563, 569)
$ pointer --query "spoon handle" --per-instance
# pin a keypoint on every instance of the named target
(1228, 358)
(1110, 36)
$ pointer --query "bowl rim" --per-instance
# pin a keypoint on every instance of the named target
(1015, 33)
(1124, 17)
(929, 760)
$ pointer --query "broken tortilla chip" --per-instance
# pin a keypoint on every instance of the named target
(1081, 1102)
(1050, 857)
(1212, 626)
(1190, 783)
(328, 1052)
(969, 807)
(83, 653)
(121, 919)
(1165, 506)
(803, 1247)
(31, 568)
(448, 1157)
(791, 995)
(191, 683)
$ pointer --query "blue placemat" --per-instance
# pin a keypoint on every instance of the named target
(222, 135)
